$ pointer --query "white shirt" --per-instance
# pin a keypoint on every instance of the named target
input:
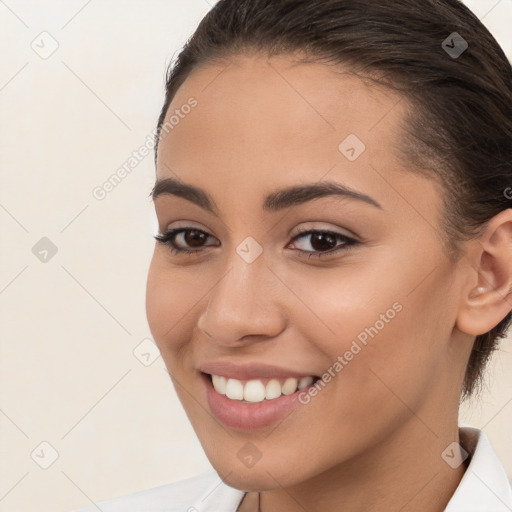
(483, 488)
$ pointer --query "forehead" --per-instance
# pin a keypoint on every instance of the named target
(261, 123)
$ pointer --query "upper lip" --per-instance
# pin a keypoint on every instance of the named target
(248, 371)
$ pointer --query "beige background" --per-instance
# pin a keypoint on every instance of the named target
(70, 375)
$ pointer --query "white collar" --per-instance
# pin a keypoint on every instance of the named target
(483, 488)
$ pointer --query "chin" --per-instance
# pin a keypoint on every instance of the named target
(252, 480)
(263, 476)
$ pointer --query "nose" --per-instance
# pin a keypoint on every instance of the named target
(244, 305)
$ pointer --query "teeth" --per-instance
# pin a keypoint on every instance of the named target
(289, 386)
(234, 389)
(219, 383)
(273, 389)
(255, 391)
(304, 382)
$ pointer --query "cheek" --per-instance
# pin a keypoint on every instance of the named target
(401, 341)
(170, 302)
(388, 323)
(157, 296)
(338, 306)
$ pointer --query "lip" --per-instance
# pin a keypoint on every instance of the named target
(245, 416)
(248, 371)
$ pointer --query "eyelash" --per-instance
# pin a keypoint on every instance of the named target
(168, 239)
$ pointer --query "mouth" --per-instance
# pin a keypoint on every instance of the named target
(256, 403)
(259, 390)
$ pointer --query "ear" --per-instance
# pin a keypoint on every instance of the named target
(487, 297)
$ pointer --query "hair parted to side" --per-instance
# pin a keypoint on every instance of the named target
(458, 129)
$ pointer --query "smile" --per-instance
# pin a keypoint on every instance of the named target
(254, 403)
(259, 390)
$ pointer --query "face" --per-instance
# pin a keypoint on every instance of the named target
(351, 289)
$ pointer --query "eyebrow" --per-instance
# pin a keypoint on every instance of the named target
(275, 201)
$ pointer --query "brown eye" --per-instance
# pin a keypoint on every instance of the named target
(324, 243)
(194, 238)
(190, 237)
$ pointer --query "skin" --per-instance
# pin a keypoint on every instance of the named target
(372, 439)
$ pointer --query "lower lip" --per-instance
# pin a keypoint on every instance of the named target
(249, 416)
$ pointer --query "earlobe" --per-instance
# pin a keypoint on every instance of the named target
(487, 299)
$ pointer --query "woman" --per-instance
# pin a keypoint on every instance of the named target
(334, 264)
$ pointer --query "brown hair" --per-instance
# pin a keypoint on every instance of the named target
(459, 129)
